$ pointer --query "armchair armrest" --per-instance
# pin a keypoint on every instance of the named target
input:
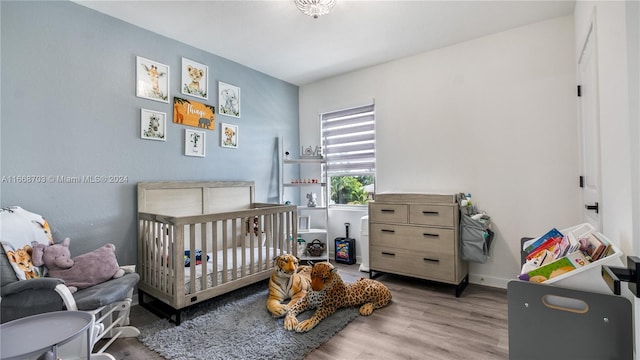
(29, 285)
(29, 297)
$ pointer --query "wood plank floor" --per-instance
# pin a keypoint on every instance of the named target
(424, 321)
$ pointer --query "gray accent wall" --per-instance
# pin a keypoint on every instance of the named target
(69, 109)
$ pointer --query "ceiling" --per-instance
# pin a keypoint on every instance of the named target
(273, 37)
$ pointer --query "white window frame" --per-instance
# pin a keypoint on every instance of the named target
(348, 142)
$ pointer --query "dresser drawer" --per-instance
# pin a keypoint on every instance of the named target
(395, 213)
(413, 238)
(436, 215)
(425, 265)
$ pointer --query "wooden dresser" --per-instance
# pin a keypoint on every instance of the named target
(417, 235)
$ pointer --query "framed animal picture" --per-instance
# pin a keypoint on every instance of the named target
(193, 113)
(195, 79)
(152, 80)
(228, 99)
(229, 136)
(153, 125)
(194, 142)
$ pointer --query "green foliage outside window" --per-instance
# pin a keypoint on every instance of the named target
(350, 189)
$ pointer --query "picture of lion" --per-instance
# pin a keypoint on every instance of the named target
(229, 136)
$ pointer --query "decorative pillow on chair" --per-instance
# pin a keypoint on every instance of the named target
(18, 229)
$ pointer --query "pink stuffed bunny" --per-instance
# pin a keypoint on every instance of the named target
(82, 271)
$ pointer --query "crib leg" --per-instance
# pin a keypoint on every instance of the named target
(159, 309)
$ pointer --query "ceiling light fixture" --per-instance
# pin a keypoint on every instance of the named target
(315, 8)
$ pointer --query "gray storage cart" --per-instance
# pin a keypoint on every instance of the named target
(549, 322)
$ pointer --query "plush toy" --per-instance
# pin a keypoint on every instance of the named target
(82, 271)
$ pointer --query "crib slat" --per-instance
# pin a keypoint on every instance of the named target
(224, 251)
(203, 262)
(244, 247)
(234, 245)
(157, 273)
(192, 254)
(214, 252)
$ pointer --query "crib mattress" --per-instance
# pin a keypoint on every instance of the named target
(267, 255)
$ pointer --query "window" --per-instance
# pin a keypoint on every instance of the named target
(349, 143)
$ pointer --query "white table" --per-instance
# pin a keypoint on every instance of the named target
(37, 334)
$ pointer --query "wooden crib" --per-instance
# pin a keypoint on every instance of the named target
(226, 238)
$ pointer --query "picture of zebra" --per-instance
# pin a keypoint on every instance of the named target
(153, 125)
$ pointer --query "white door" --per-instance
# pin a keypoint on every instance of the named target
(589, 132)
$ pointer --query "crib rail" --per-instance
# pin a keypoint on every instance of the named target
(247, 240)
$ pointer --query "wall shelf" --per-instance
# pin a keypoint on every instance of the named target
(318, 215)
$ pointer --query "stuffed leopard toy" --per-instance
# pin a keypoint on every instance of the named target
(328, 293)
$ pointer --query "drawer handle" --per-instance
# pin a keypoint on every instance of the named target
(431, 213)
(388, 253)
(431, 235)
(387, 210)
(431, 260)
(388, 231)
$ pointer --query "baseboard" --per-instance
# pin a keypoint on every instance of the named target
(489, 281)
(478, 279)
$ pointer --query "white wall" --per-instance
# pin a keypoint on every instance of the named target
(495, 116)
(633, 52)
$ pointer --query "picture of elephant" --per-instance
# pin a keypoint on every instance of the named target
(204, 123)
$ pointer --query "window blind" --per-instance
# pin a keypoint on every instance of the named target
(349, 141)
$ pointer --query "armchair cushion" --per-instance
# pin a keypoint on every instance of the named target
(105, 293)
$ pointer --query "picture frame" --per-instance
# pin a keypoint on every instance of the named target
(228, 99)
(193, 113)
(195, 79)
(229, 136)
(153, 125)
(194, 142)
(304, 223)
(152, 80)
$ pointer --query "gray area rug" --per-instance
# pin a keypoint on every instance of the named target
(238, 326)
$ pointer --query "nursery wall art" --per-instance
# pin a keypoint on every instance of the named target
(194, 142)
(304, 222)
(153, 125)
(193, 113)
(195, 79)
(152, 80)
(229, 136)
(228, 99)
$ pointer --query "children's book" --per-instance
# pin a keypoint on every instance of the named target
(553, 233)
(573, 241)
(592, 246)
(578, 259)
(562, 248)
(549, 243)
(607, 244)
(549, 271)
